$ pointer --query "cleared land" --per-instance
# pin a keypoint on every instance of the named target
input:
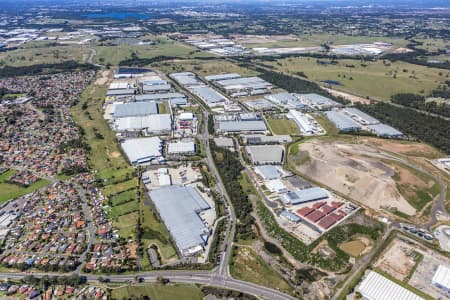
(398, 260)
(375, 79)
(10, 191)
(164, 47)
(44, 54)
(358, 246)
(126, 224)
(204, 68)
(248, 266)
(282, 126)
(158, 292)
(362, 173)
(305, 40)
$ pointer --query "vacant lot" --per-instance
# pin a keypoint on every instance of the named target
(282, 126)
(204, 67)
(312, 40)
(357, 247)
(398, 260)
(248, 266)
(376, 79)
(126, 224)
(158, 292)
(10, 191)
(164, 47)
(44, 54)
(365, 175)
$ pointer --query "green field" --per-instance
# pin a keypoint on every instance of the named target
(158, 292)
(248, 266)
(105, 157)
(118, 187)
(123, 197)
(155, 233)
(10, 191)
(283, 126)
(205, 67)
(43, 54)
(123, 209)
(374, 79)
(305, 40)
(164, 47)
(126, 225)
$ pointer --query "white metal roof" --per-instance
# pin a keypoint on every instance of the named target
(133, 109)
(377, 287)
(153, 123)
(266, 154)
(181, 147)
(442, 277)
(143, 149)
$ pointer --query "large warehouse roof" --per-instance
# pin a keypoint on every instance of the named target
(442, 277)
(186, 78)
(305, 195)
(378, 287)
(242, 126)
(178, 207)
(208, 94)
(222, 76)
(161, 96)
(254, 139)
(384, 130)
(133, 109)
(142, 150)
(156, 88)
(360, 116)
(318, 101)
(268, 172)
(266, 154)
(342, 121)
(153, 123)
(181, 147)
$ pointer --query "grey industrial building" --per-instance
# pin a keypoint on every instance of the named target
(384, 130)
(259, 104)
(142, 150)
(134, 109)
(186, 78)
(241, 126)
(265, 154)
(343, 122)
(304, 196)
(159, 97)
(156, 88)
(258, 139)
(179, 207)
(360, 117)
(208, 95)
(318, 102)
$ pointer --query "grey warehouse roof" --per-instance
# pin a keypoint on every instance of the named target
(156, 88)
(268, 172)
(384, 130)
(208, 94)
(178, 207)
(365, 118)
(134, 109)
(266, 154)
(127, 92)
(142, 150)
(306, 195)
(161, 96)
(244, 126)
(342, 121)
(222, 76)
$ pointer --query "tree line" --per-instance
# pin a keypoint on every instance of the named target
(429, 129)
(419, 102)
(40, 69)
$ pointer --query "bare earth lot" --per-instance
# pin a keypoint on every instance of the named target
(362, 173)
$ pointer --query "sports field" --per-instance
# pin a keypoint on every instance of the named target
(158, 292)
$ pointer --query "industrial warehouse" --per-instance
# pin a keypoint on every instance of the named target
(352, 119)
(265, 154)
(240, 123)
(181, 208)
(377, 287)
(237, 86)
(143, 150)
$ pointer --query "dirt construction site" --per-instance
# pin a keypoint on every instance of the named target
(363, 173)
